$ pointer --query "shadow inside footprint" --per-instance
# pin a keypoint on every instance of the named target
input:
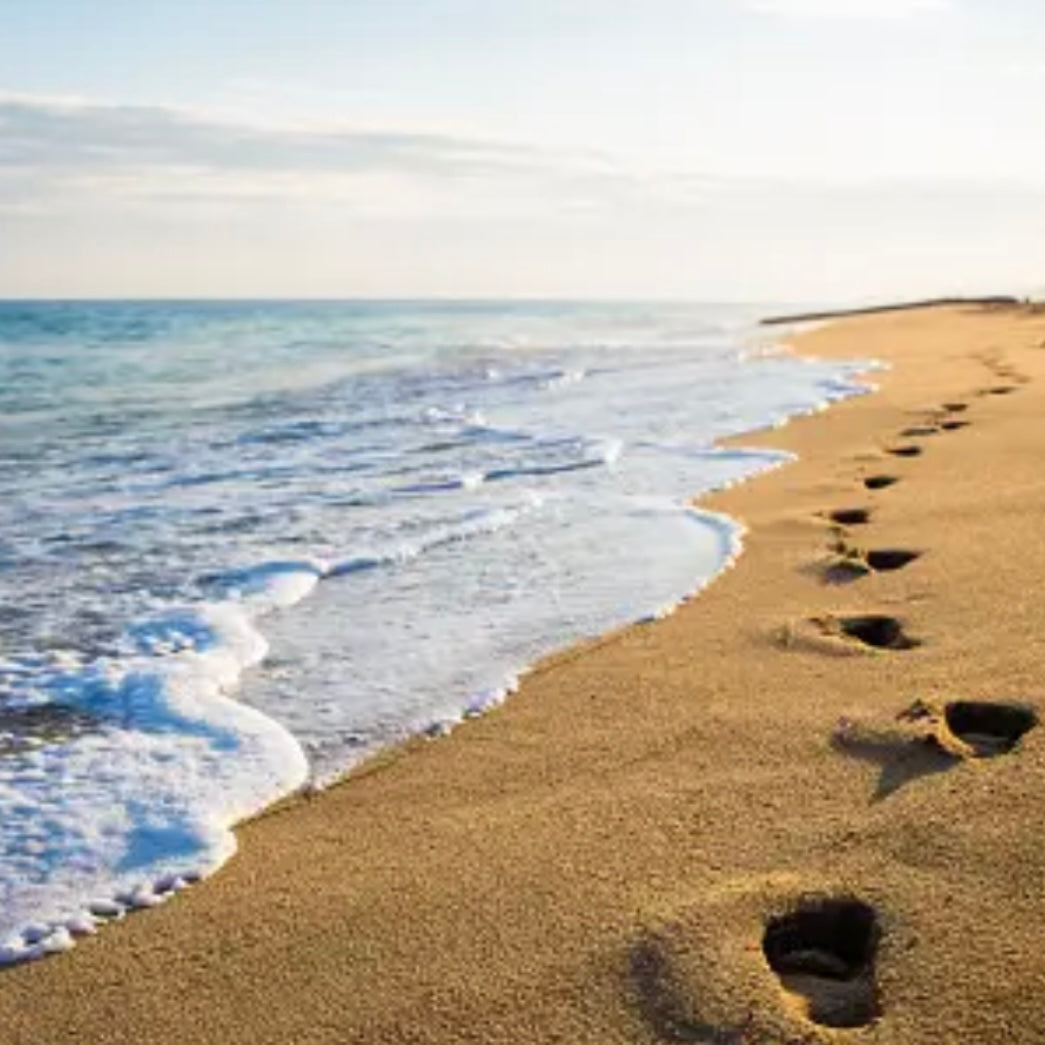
(665, 1004)
(900, 757)
(824, 951)
(905, 451)
(877, 630)
(919, 430)
(880, 482)
(885, 559)
(989, 729)
(999, 390)
(851, 563)
(953, 426)
(845, 570)
(955, 408)
(850, 516)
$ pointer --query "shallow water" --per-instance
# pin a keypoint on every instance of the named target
(385, 511)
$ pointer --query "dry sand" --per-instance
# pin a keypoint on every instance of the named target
(598, 861)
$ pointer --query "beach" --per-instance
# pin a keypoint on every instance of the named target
(614, 854)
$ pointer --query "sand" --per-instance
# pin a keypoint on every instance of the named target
(600, 859)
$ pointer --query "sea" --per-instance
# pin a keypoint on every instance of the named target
(245, 545)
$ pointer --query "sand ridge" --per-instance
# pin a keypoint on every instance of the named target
(805, 808)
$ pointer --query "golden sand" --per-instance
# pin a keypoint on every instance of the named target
(617, 853)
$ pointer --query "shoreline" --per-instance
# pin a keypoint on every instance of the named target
(988, 301)
(439, 729)
(597, 859)
(442, 728)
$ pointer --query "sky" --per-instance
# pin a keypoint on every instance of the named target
(727, 150)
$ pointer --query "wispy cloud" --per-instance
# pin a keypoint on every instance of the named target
(75, 156)
(116, 199)
(68, 152)
(887, 9)
(59, 134)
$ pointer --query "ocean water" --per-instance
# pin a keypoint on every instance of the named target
(244, 545)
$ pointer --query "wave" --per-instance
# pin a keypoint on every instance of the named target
(471, 524)
(143, 798)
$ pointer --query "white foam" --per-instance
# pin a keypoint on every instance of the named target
(563, 378)
(470, 524)
(121, 816)
(271, 585)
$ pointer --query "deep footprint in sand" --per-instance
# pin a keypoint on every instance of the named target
(850, 563)
(839, 635)
(845, 569)
(953, 426)
(850, 516)
(973, 728)
(955, 407)
(823, 952)
(876, 630)
(883, 560)
(917, 431)
(905, 451)
(933, 738)
(880, 482)
(989, 729)
(1009, 373)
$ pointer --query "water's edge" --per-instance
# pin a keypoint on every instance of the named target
(734, 530)
(293, 782)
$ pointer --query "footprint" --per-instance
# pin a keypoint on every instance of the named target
(845, 569)
(905, 451)
(955, 407)
(846, 636)
(851, 563)
(876, 630)
(886, 559)
(998, 390)
(880, 482)
(850, 516)
(974, 728)
(989, 729)
(1009, 373)
(824, 952)
(953, 426)
(916, 431)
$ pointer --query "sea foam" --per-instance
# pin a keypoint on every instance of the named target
(143, 796)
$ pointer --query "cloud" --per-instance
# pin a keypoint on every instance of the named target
(75, 157)
(881, 9)
(151, 200)
(60, 133)
(58, 148)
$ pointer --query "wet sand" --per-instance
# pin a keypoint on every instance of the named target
(791, 771)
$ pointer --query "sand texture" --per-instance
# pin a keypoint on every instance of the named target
(791, 771)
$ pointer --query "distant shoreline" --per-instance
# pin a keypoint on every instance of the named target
(1001, 300)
